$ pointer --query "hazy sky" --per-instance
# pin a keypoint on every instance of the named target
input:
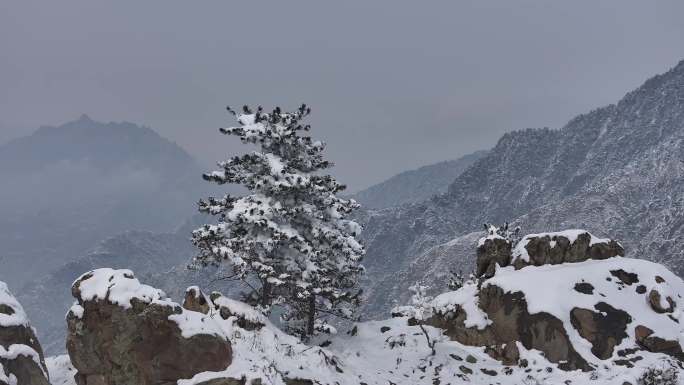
(393, 84)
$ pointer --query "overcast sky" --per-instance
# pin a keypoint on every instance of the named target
(393, 84)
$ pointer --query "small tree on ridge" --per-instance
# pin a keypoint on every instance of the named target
(290, 238)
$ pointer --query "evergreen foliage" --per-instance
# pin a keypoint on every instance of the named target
(290, 238)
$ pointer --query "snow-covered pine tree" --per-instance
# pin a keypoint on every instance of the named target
(290, 238)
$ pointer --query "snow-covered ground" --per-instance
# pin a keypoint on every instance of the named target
(392, 352)
(385, 352)
(60, 369)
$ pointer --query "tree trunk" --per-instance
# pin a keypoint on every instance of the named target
(265, 294)
(312, 315)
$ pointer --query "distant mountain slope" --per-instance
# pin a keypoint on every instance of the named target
(617, 170)
(416, 185)
(105, 146)
(65, 188)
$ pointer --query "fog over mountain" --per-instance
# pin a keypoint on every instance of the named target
(65, 188)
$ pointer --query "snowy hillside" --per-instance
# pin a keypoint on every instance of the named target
(615, 170)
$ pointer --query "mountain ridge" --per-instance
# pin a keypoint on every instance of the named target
(602, 171)
(417, 184)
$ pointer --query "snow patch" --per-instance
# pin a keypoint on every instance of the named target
(117, 287)
(61, 370)
(467, 299)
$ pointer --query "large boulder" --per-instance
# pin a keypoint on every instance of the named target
(21, 357)
(121, 332)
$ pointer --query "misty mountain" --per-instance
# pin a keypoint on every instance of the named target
(416, 185)
(616, 170)
(65, 188)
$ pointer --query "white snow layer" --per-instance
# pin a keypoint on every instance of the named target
(18, 316)
(467, 299)
(60, 369)
(117, 287)
(550, 289)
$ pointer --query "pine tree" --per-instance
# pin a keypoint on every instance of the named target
(290, 238)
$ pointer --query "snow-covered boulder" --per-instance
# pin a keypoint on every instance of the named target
(580, 315)
(123, 332)
(562, 247)
(21, 357)
(542, 249)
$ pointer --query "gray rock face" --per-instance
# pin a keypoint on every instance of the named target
(617, 169)
(110, 344)
(21, 357)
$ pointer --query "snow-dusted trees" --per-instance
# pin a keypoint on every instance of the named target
(290, 238)
(504, 231)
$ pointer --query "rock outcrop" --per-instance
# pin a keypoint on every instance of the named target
(596, 307)
(21, 356)
(543, 249)
(563, 247)
(511, 322)
(122, 332)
